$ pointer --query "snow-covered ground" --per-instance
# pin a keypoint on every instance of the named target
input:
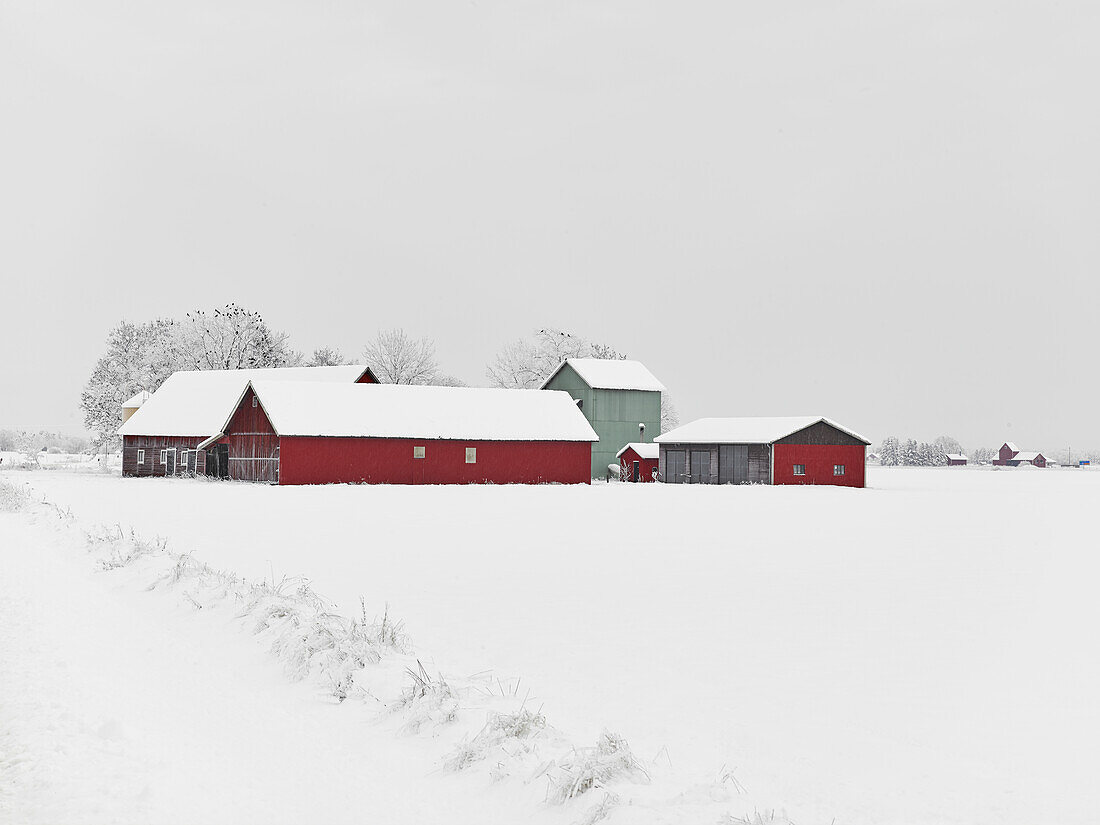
(920, 651)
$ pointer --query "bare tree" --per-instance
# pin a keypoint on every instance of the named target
(398, 359)
(947, 444)
(326, 357)
(233, 338)
(528, 362)
(670, 419)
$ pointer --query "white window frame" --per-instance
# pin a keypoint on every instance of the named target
(471, 455)
(141, 457)
(799, 469)
(164, 457)
(839, 469)
(419, 451)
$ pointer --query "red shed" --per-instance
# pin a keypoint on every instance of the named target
(162, 435)
(638, 461)
(790, 450)
(292, 433)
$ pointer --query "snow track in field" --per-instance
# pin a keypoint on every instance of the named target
(118, 705)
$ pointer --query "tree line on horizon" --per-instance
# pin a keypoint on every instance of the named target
(142, 356)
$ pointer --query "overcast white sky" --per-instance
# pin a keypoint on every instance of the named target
(882, 212)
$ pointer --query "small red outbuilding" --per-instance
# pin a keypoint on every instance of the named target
(638, 461)
(291, 433)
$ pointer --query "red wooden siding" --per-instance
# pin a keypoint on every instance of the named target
(365, 379)
(819, 460)
(253, 444)
(646, 466)
(313, 460)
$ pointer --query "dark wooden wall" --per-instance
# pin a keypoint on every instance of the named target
(821, 433)
(153, 444)
(716, 464)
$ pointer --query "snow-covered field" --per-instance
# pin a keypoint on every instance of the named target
(922, 651)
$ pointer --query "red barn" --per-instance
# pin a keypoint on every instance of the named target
(283, 432)
(638, 461)
(956, 460)
(1007, 452)
(162, 435)
(792, 450)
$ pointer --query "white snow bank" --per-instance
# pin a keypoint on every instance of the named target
(907, 653)
(154, 709)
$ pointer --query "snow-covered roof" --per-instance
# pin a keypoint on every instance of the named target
(652, 451)
(610, 374)
(196, 402)
(137, 400)
(745, 430)
(1025, 456)
(956, 457)
(1012, 446)
(402, 411)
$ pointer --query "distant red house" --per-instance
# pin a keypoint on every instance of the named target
(638, 461)
(956, 460)
(789, 450)
(1011, 456)
(283, 432)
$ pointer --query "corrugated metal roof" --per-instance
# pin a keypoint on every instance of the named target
(197, 402)
(402, 411)
(745, 430)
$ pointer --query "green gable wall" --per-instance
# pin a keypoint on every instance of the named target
(613, 414)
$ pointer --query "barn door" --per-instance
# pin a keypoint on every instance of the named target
(733, 464)
(675, 468)
(170, 462)
(700, 466)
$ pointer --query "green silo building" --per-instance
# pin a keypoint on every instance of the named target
(615, 397)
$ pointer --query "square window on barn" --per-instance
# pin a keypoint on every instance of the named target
(471, 455)
(838, 469)
(418, 452)
(141, 456)
(800, 469)
(163, 456)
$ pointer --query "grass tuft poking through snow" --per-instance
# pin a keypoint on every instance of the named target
(609, 762)
(505, 733)
(756, 818)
